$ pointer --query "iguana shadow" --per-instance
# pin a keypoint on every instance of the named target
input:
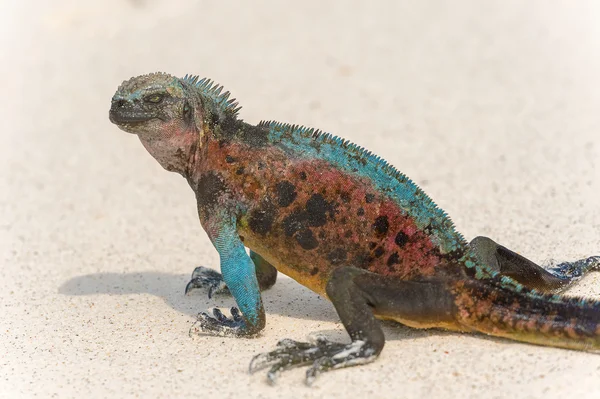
(286, 297)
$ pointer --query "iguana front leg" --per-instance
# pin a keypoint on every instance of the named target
(239, 274)
(203, 277)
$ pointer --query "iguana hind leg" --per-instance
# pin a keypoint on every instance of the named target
(203, 277)
(358, 296)
(528, 273)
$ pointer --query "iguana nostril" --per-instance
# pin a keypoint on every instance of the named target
(121, 103)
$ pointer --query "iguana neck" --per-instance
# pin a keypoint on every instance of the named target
(176, 152)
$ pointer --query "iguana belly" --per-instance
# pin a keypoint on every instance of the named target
(309, 275)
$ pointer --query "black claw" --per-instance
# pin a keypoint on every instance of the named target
(311, 375)
(319, 366)
(190, 286)
(219, 315)
(273, 375)
(235, 314)
(258, 362)
(193, 284)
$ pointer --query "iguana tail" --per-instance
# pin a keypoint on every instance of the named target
(495, 308)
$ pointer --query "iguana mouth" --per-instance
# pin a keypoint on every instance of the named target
(119, 117)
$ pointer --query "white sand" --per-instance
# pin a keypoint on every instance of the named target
(492, 107)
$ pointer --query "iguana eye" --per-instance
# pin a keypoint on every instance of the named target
(154, 98)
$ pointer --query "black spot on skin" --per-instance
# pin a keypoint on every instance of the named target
(372, 245)
(229, 159)
(337, 256)
(369, 198)
(286, 193)
(314, 271)
(294, 222)
(242, 238)
(378, 252)
(210, 187)
(303, 175)
(322, 234)
(360, 212)
(317, 210)
(401, 239)
(240, 170)
(381, 225)
(261, 219)
(345, 197)
(261, 165)
(306, 239)
(348, 234)
(315, 214)
(394, 259)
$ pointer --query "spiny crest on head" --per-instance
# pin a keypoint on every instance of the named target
(211, 90)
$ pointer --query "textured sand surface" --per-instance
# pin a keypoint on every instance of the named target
(492, 107)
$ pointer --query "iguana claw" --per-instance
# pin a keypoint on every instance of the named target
(203, 277)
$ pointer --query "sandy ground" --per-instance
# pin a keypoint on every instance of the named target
(492, 107)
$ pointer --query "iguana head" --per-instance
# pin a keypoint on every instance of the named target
(153, 105)
(171, 115)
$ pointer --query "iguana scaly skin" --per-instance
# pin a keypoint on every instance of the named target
(342, 222)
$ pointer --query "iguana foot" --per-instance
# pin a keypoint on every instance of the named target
(574, 270)
(203, 277)
(323, 354)
(219, 324)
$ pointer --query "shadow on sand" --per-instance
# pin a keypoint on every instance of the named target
(286, 298)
